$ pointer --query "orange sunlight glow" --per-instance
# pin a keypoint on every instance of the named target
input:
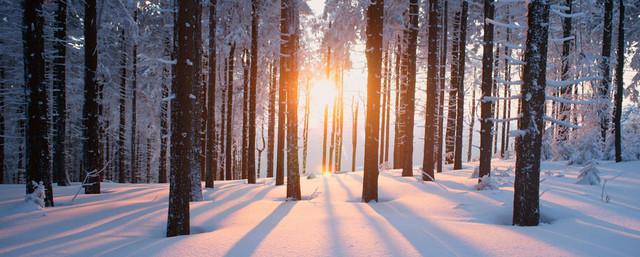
(323, 92)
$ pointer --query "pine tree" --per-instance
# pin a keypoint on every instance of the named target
(432, 74)
(408, 100)
(181, 129)
(603, 90)
(526, 209)
(272, 121)
(462, 45)
(91, 105)
(229, 137)
(290, 33)
(374, 27)
(122, 176)
(59, 170)
(486, 110)
(252, 93)
(134, 102)
(212, 144)
(38, 149)
(617, 117)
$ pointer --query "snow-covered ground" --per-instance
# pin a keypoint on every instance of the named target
(413, 218)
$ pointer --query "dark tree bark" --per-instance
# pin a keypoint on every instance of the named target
(603, 90)
(432, 74)
(384, 104)
(212, 144)
(168, 78)
(453, 91)
(122, 151)
(181, 128)
(228, 154)
(91, 122)
(272, 121)
(409, 99)
(396, 128)
(59, 94)
(339, 137)
(507, 93)
(305, 131)
(252, 93)
(472, 122)
(289, 31)
(565, 109)
(442, 63)
(282, 99)
(387, 109)
(354, 135)
(36, 137)
(526, 209)
(486, 112)
(375, 12)
(617, 116)
(462, 45)
(223, 125)
(245, 113)
(134, 107)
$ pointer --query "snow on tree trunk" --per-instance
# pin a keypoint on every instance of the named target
(486, 112)
(462, 44)
(37, 143)
(289, 80)
(374, 27)
(90, 110)
(526, 209)
(251, 172)
(428, 161)
(617, 117)
(182, 128)
(603, 90)
(212, 144)
(408, 99)
(59, 94)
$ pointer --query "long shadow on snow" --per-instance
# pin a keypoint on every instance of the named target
(250, 241)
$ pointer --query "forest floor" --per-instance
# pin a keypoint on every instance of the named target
(413, 218)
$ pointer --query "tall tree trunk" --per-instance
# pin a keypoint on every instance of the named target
(197, 102)
(134, 108)
(229, 137)
(565, 109)
(340, 123)
(507, 94)
(282, 98)
(324, 139)
(462, 45)
(397, 115)
(441, 87)
(486, 113)
(272, 121)
(252, 93)
(354, 135)
(2, 127)
(385, 74)
(291, 32)
(432, 74)
(617, 117)
(212, 144)
(387, 109)
(122, 151)
(37, 143)
(409, 100)
(333, 135)
(91, 123)
(305, 131)
(603, 90)
(374, 27)
(223, 125)
(526, 209)
(453, 91)
(181, 129)
(59, 94)
(245, 113)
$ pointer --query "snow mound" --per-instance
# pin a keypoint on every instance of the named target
(487, 183)
(589, 175)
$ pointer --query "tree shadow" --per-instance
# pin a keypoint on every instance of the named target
(250, 241)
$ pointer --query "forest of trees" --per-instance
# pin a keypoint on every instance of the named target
(181, 92)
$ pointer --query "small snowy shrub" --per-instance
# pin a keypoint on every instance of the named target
(589, 175)
(37, 196)
(487, 183)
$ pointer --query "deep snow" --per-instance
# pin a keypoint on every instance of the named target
(413, 218)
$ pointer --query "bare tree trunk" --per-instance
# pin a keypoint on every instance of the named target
(212, 144)
(282, 103)
(409, 100)
(91, 123)
(2, 126)
(526, 209)
(59, 94)
(245, 114)
(305, 131)
(37, 143)
(223, 125)
(181, 155)
(462, 43)
(383, 121)
(486, 114)
(603, 90)
(441, 87)
(374, 27)
(472, 120)
(290, 33)
(432, 74)
(396, 128)
(272, 121)
(252, 93)
(617, 117)
(229, 137)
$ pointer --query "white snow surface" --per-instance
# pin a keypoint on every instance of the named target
(412, 218)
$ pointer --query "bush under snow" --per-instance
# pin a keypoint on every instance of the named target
(589, 175)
